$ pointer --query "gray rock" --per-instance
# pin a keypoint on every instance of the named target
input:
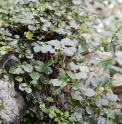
(13, 104)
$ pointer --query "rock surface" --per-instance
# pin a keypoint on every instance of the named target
(13, 104)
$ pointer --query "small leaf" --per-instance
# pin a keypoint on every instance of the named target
(27, 67)
(35, 75)
(104, 102)
(73, 66)
(67, 42)
(80, 75)
(39, 87)
(28, 35)
(76, 95)
(50, 99)
(66, 114)
(111, 97)
(37, 48)
(14, 58)
(14, 70)
(34, 82)
(44, 79)
(54, 42)
(48, 70)
(38, 65)
(57, 110)
(57, 120)
(43, 108)
(28, 54)
(23, 86)
(32, 27)
(89, 110)
(89, 92)
(19, 79)
(73, 24)
(70, 51)
(52, 114)
(100, 120)
(49, 63)
(47, 48)
(28, 90)
(55, 82)
(34, 109)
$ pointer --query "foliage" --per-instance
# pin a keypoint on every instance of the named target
(58, 64)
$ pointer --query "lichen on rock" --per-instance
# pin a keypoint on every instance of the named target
(13, 106)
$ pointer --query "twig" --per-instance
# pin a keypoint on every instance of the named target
(5, 64)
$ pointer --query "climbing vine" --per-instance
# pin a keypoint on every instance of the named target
(54, 50)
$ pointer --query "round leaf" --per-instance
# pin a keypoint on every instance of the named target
(89, 92)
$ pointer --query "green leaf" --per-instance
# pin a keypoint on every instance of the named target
(28, 35)
(15, 70)
(27, 67)
(39, 87)
(77, 86)
(104, 102)
(14, 58)
(47, 48)
(57, 82)
(38, 65)
(32, 28)
(89, 92)
(23, 86)
(67, 42)
(42, 105)
(57, 120)
(37, 48)
(34, 82)
(44, 79)
(19, 79)
(95, 81)
(52, 114)
(54, 43)
(100, 120)
(111, 97)
(69, 51)
(66, 114)
(49, 63)
(80, 75)
(35, 75)
(63, 75)
(48, 70)
(76, 95)
(50, 99)
(57, 110)
(34, 109)
(89, 110)
(55, 90)
(43, 108)
(28, 90)
(73, 66)
(28, 54)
